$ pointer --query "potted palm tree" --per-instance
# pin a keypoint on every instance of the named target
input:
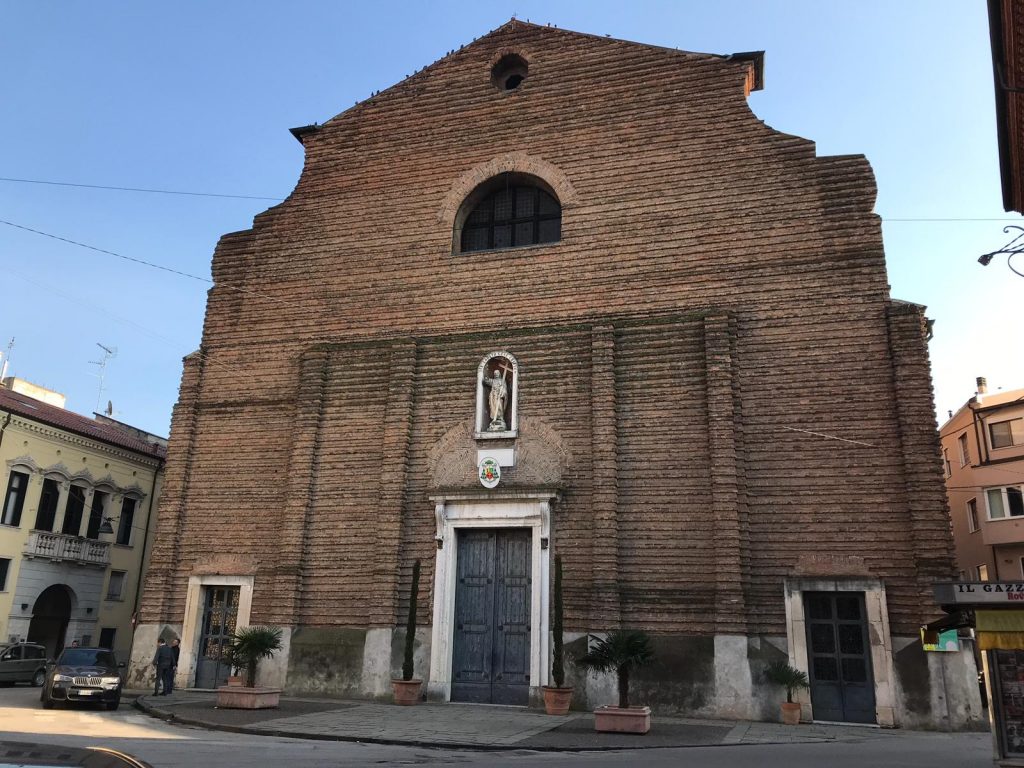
(621, 652)
(557, 697)
(407, 690)
(792, 679)
(250, 646)
(235, 678)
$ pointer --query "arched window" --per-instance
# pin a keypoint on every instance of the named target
(510, 211)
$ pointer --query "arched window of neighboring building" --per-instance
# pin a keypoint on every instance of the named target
(509, 211)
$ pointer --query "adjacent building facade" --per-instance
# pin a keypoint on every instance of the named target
(1006, 26)
(983, 459)
(75, 529)
(559, 293)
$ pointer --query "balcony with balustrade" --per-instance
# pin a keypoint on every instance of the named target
(63, 547)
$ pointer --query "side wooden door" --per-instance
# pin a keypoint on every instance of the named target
(842, 682)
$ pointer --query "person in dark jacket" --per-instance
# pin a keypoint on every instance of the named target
(163, 660)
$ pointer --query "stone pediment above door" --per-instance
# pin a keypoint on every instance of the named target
(541, 458)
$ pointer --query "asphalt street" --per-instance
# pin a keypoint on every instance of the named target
(172, 746)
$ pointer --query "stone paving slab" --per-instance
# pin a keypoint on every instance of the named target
(777, 733)
(580, 730)
(203, 709)
(477, 726)
(438, 723)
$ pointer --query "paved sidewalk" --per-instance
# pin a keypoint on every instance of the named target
(477, 726)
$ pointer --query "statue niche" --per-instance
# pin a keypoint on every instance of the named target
(497, 390)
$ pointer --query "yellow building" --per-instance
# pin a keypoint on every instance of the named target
(77, 520)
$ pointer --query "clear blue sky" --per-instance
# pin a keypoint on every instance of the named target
(199, 96)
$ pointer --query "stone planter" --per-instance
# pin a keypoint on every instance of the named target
(556, 700)
(615, 720)
(236, 680)
(240, 697)
(790, 713)
(407, 692)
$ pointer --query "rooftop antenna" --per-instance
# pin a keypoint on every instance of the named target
(108, 353)
(7, 360)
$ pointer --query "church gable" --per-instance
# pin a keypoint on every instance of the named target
(652, 191)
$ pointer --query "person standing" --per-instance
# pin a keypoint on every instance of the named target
(163, 660)
(176, 650)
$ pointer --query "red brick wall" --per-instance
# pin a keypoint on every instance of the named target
(690, 488)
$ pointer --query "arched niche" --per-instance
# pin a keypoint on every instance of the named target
(497, 397)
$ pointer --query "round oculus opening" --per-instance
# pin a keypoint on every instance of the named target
(510, 71)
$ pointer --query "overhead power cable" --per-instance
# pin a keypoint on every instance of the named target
(938, 219)
(226, 286)
(138, 189)
(109, 253)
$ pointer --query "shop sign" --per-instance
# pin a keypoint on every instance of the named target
(977, 592)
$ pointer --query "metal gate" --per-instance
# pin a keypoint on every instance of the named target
(842, 683)
(220, 611)
(491, 653)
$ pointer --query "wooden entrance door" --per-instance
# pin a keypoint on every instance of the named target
(842, 683)
(491, 653)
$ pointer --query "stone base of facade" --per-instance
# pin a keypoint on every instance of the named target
(711, 676)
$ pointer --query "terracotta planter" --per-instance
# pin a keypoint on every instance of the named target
(556, 700)
(615, 720)
(407, 692)
(790, 713)
(240, 697)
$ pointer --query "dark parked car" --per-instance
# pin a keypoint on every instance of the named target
(20, 753)
(22, 663)
(84, 674)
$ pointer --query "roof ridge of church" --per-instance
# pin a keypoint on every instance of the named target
(756, 58)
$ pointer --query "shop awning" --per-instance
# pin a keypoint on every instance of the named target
(999, 630)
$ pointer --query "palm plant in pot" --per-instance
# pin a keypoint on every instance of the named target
(621, 652)
(250, 646)
(557, 697)
(792, 679)
(407, 690)
(227, 657)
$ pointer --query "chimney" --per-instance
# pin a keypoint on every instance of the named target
(982, 385)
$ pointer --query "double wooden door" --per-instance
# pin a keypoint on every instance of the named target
(842, 683)
(491, 652)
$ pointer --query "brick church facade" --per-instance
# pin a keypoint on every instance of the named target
(665, 324)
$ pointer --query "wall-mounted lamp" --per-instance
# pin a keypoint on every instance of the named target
(107, 527)
(1013, 248)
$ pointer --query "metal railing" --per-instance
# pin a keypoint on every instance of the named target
(63, 546)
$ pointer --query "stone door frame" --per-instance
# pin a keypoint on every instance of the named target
(493, 510)
(191, 630)
(879, 639)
